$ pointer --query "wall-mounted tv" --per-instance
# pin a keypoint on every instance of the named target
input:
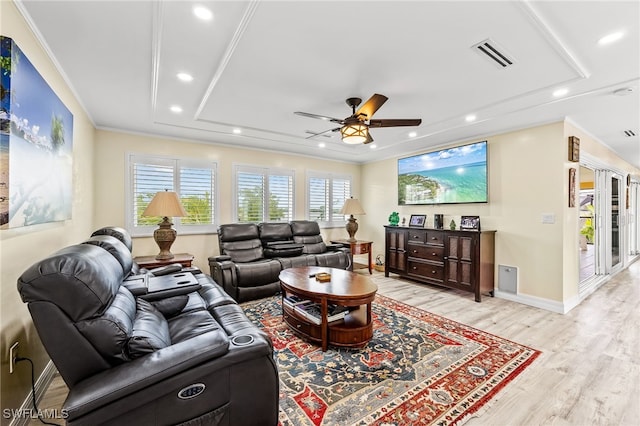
(449, 176)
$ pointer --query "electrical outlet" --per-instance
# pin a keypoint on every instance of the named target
(13, 353)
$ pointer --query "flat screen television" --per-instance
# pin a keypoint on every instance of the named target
(449, 176)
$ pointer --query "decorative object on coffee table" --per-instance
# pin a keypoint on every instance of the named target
(352, 206)
(166, 204)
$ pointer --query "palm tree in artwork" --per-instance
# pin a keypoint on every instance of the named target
(57, 132)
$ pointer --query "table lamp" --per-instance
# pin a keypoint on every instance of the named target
(166, 204)
(352, 206)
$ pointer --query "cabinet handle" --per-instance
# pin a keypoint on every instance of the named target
(415, 251)
(445, 258)
(433, 254)
(416, 237)
(414, 268)
(434, 238)
(433, 272)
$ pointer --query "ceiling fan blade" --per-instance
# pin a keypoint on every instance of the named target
(395, 122)
(369, 139)
(320, 117)
(371, 106)
(313, 135)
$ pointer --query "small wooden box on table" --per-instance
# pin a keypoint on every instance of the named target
(345, 289)
(150, 262)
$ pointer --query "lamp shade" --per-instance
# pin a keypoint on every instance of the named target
(354, 133)
(165, 204)
(352, 206)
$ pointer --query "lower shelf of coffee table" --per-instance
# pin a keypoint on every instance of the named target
(352, 331)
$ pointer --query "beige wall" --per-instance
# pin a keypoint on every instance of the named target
(21, 247)
(111, 152)
(526, 176)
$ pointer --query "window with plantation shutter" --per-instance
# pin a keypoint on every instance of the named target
(263, 194)
(326, 193)
(194, 182)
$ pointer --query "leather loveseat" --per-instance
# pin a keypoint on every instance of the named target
(191, 358)
(252, 256)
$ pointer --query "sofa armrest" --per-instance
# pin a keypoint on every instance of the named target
(219, 258)
(223, 272)
(131, 377)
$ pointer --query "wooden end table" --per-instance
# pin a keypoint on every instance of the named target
(358, 247)
(150, 262)
(345, 289)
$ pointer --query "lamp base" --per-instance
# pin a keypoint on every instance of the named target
(164, 237)
(352, 228)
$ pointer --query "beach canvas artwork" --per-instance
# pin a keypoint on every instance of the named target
(36, 145)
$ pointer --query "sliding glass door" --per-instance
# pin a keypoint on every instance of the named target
(601, 225)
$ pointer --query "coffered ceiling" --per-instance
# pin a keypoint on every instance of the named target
(255, 63)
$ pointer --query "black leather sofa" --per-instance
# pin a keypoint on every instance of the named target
(190, 358)
(252, 256)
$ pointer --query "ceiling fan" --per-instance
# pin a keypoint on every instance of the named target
(355, 128)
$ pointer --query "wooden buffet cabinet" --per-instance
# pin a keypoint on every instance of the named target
(451, 258)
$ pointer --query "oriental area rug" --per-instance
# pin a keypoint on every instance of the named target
(419, 369)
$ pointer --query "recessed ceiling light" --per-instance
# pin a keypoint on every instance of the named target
(321, 145)
(176, 108)
(470, 118)
(183, 76)
(610, 38)
(373, 146)
(237, 131)
(412, 134)
(560, 92)
(203, 13)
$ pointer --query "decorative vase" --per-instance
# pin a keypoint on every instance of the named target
(452, 225)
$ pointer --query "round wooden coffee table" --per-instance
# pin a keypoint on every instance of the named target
(344, 289)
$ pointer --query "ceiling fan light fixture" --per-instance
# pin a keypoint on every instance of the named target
(355, 133)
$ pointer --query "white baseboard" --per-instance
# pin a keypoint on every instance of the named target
(536, 302)
(42, 383)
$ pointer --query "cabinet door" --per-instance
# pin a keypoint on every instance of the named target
(460, 265)
(396, 242)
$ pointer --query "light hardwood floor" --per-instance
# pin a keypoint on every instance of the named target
(589, 370)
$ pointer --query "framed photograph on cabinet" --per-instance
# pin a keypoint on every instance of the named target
(574, 149)
(470, 223)
(417, 220)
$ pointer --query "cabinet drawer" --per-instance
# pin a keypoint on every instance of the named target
(435, 238)
(417, 236)
(431, 253)
(427, 271)
(304, 327)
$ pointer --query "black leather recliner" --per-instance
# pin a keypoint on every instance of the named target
(252, 256)
(191, 358)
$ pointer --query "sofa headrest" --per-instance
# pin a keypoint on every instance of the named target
(305, 227)
(81, 280)
(116, 248)
(117, 232)
(238, 232)
(275, 232)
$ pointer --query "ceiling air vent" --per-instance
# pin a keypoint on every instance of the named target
(629, 133)
(492, 50)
